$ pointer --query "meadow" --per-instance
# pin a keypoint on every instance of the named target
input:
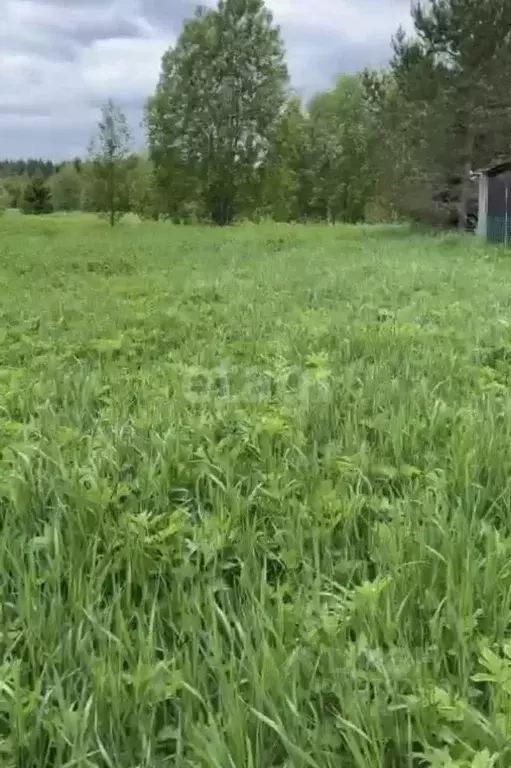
(255, 497)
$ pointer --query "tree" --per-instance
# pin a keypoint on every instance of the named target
(454, 77)
(213, 118)
(15, 187)
(66, 187)
(397, 168)
(5, 198)
(285, 192)
(37, 196)
(143, 192)
(339, 125)
(108, 153)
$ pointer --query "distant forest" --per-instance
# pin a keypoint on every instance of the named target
(32, 166)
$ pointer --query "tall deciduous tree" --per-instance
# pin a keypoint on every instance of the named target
(285, 192)
(339, 125)
(401, 163)
(213, 118)
(108, 153)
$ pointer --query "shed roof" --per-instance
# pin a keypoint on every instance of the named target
(496, 168)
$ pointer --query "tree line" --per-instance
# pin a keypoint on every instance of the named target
(227, 139)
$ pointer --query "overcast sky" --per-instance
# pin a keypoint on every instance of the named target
(60, 59)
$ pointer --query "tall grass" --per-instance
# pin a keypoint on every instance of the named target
(255, 498)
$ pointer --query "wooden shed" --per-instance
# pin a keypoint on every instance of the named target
(494, 215)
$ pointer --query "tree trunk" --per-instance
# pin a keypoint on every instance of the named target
(465, 180)
(111, 193)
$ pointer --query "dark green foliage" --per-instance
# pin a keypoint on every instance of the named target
(453, 81)
(28, 167)
(37, 196)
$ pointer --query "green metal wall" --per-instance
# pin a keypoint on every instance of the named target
(496, 229)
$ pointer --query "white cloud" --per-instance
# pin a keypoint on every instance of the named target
(127, 66)
(358, 21)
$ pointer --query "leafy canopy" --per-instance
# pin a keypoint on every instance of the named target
(217, 106)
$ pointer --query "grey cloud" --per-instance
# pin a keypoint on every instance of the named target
(48, 139)
(38, 142)
(49, 47)
(354, 58)
(62, 64)
(168, 14)
(77, 3)
(331, 55)
(52, 45)
(86, 33)
(55, 38)
(24, 110)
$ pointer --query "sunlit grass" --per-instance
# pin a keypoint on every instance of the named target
(255, 495)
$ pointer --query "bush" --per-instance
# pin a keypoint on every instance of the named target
(37, 197)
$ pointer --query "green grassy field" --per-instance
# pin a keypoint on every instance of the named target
(255, 497)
